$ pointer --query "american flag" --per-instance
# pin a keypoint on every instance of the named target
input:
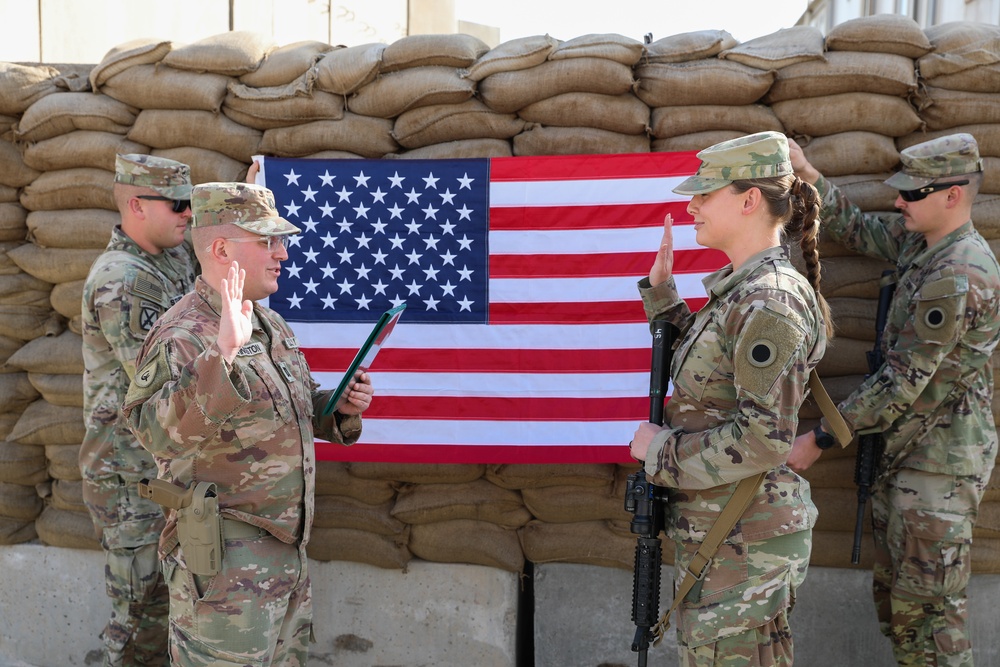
(523, 339)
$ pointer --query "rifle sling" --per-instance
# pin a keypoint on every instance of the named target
(841, 431)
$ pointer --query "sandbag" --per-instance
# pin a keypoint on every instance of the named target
(63, 461)
(675, 121)
(60, 113)
(76, 228)
(467, 541)
(620, 49)
(28, 322)
(360, 546)
(8, 194)
(512, 55)
(67, 495)
(64, 390)
(23, 85)
(689, 46)
(854, 317)
(22, 289)
(79, 187)
(587, 542)
(570, 504)
(709, 81)
(175, 129)
(867, 191)
(986, 216)
(845, 356)
(62, 353)
(14, 172)
(455, 150)
(232, 53)
(143, 51)
(960, 46)
(22, 464)
(13, 219)
(286, 63)
(346, 512)
(419, 473)
(839, 387)
(333, 478)
(162, 87)
(16, 392)
(369, 137)
(391, 94)
(780, 49)
(19, 502)
(695, 141)
(623, 114)
(8, 346)
(448, 50)
(478, 500)
(881, 33)
(851, 153)
(951, 108)
(80, 148)
(54, 265)
(263, 114)
(61, 528)
(845, 72)
(439, 123)
(577, 141)
(42, 423)
(847, 112)
(207, 166)
(525, 476)
(508, 92)
(343, 71)
(853, 276)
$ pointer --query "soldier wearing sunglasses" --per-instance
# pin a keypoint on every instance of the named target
(931, 399)
(146, 266)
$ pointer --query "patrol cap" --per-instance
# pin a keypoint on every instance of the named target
(249, 207)
(760, 155)
(167, 177)
(924, 163)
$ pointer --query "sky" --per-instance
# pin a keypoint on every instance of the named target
(566, 19)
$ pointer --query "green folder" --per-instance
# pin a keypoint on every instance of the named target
(366, 354)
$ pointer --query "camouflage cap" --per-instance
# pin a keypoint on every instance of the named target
(760, 155)
(924, 163)
(167, 177)
(250, 207)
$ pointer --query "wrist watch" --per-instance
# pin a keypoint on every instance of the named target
(823, 439)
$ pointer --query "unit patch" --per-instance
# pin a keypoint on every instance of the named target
(765, 347)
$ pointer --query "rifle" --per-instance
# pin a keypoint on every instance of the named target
(870, 445)
(646, 503)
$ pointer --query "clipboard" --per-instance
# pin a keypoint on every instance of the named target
(366, 354)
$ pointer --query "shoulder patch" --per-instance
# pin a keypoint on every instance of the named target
(146, 285)
(764, 350)
(153, 374)
(143, 315)
(939, 308)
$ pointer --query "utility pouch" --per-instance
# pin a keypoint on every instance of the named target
(199, 526)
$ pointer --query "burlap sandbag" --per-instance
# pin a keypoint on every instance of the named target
(991, 176)
(7, 265)
(162, 87)
(867, 191)
(569, 504)
(676, 121)
(263, 114)
(63, 461)
(695, 141)
(987, 137)
(951, 108)
(362, 135)
(709, 81)
(455, 150)
(346, 512)
(207, 166)
(42, 423)
(286, 63)
(467, 541)
(624, 114)
(512, 55)
(22, 464)
(13, 219)
(14, 172)
(233, 53)
(960, 46)
(77, 228)
(360, 546)
(577, 141)
(7, 422)
(60, 113)
(839, 387)
(62, 353)
(67, 495)
(449, 50)
(533, 476)
(439, 123)
(988, 522)
(23, 85)
(882, 33)
(333, 478)
(62, 528)
(845, 72)
(54, 265)
(80, 187)
(391, 94)
(19, 502)
(8, 194)
(986, 216)
(80, 148)
(586, 542)
(143, 51)
(29, 322)
(847, 112)
(16, 531)
(780, 49)
(66, 390)
(66, 298)
(8, 346)
(22, 289)
(16, 392)
(621, 49)
(985, 79)
(174, 129)
(845, 356)
(478, 500)
(687, 46)
(343, 71)
(334, 155)
(508, 92)
(418, 473)
(851, 153)
(836, 472)
(854, 317)
(853, 276)
(832, 548)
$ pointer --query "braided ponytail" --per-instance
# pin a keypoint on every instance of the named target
(805, 216)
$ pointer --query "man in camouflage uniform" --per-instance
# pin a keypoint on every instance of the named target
(931, 399)
(145, 268)
(224, 395)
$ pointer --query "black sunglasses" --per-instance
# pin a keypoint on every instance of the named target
(920, 193)
(177, 205)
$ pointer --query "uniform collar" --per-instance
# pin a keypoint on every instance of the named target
(214, 300)
(924, 256)
(725, 279)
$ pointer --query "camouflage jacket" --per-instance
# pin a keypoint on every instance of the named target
(126, 291)
(740, 374)
(932, 397)
(247, 427)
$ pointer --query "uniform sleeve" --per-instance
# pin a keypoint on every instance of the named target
(874, 235)
(112, 308)
(663, 302)
(334, 427)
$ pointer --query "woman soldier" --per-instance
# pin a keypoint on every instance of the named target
(740, 374)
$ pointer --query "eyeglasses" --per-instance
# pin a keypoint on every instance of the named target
(177, 205)
(272, 243)
(921, 193)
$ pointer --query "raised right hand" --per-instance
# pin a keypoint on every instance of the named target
(663, 265)
(235, 324)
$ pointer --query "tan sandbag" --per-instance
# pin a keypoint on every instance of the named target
(508, 92)
(8, 346)
(586, 542)
(988, 521)
(76, 228)
(985, 79)
(417, 473)
(42, 423)
(333, 478)
(689, 46)
(13, 170)
(7, 266)
(512, 55)
(162, 87)
(854, 317)
(16, 531)
(22, 464)
(207, 166)
(63, 461)
(448, 50)
(80, 148)
(569, 504)
(676, 121)
(709, 81)
(959, 46)
(343, 71)
(621, 49)
(61, 528)
(64, 390)
(832, 548)
(360, 546)
(346, 512)
(694, 141)
(951, 108)
(67, 495)
(334, 155)
(847, 112)
(19, 502)
(624, 114)
(8, 194)
(29, 322)
(263, 114)
(7, 422)
(369, 137)
(233, 53)
(80, 187)
(13, 218)
(22, 289)
(478, 500)
(845, 356)
(577, 141)
(286, 63)
(851, 153)
(853, 276)
(143, 51)
(986, 216)
(839, 387)
(60, 113)
(467, 541)
(54, 265)
(882, 33)
(780, 49)
(438, 123)
(303, 86)
(987, 137)
(391, 94)
(845, 72)
(23, 85)
(175, 129)
(16, 392)
(533, 476)
(455, 150)
(62, 353)
(991, 176)
(867, 191)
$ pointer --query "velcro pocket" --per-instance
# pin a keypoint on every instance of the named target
(937, 554)
(764, 352)
(939, 308)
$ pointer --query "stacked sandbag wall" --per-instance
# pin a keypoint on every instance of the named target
(852, 100)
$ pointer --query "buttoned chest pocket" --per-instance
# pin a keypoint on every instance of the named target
(269, 406)
(939, 308)
(295, 368)
(699, 359)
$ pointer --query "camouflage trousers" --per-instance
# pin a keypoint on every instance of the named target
(137, 631)
(738, 615)
(256, 612)
(923, 534)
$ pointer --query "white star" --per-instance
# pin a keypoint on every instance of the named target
(379, 257)
(345, 226)
(329, 301)
(414, 287)
(363, 302)
(431, 303)
(414, 257)
(378, 196)
(464, 213)
(431, 242)
(361, 210)
(293, 270)
(397, 273)
(431, 273)
(448, 258)
(327, 178)
(430, 212)
(362, 272)
(465, 182)
(292, 177)
(292, 210)
(396, 242)
(379, 226)
(396, 212)
(397, 301)
(328, 271)
(465, 304)
(465, 273)
(327, 210)
(447, 197)
(344, 194)
(295, 301)
(310, 224)
(465, 242)
(310, 255)
(414, 227)
(430, 181)
(309, 194)
(311, 286)
(294, 240)
(345, 287)
(361, 180)
(448, 227)
(412, 196)
(328, 240)
(379, 287)
(397, 180)
(362, 241)
(345, 256)
(448, 289)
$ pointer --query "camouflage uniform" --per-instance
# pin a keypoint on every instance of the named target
(126, 290)
(932, 402)
(247, 427)
(740, 375)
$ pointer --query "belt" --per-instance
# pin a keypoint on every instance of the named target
(234, 529)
